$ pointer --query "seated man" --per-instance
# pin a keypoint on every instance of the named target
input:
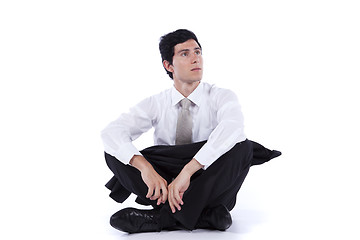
(201, 158)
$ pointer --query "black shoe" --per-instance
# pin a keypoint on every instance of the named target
(133, 220)
(217, 218)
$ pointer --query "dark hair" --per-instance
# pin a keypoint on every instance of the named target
(168, 42)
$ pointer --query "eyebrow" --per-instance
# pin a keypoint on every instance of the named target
(188, 50)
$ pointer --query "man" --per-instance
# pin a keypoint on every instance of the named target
(192, 175)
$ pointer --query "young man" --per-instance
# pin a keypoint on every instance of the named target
(201, 158)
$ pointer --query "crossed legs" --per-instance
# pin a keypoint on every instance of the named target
(216, 186)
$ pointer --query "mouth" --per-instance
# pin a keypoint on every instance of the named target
(196, 69)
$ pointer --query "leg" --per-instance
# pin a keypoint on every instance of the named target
(127, 179)
(222, 179)
(218, 185)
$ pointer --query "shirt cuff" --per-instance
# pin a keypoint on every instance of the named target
(206, 156)
(125, 152)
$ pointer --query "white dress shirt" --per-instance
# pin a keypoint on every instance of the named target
(216, 114)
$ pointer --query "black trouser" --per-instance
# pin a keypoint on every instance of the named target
(216, 185)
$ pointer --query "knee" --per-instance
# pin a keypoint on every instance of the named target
(114, 164)
(245, 145)
(244, 149)
(109, 159)
(241, 153)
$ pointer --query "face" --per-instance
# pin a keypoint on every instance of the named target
(187, 64)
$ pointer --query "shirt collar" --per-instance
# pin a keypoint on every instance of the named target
(194, 97)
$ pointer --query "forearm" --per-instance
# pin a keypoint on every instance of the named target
(192, 167)
(118, 135)
(157, 185)
(140, 163)
(221, 140)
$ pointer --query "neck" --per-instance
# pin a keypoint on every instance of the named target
(186, 88)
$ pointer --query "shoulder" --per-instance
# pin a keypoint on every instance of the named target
(161, 97)
(217, 93)
(155, 102)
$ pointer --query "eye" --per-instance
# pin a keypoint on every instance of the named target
(184, 54)
(198, 52)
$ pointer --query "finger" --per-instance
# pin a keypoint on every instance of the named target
(164, 194)
(156, 193)
(170, 200)
(181, 196)
(178, 197)
(177, 200)
(150, 192)
(159, 201)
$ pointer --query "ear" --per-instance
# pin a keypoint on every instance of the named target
(168, 66)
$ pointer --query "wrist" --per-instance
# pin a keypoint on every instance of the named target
(192, 167)
(139, 162)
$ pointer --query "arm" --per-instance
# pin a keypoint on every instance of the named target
(229, 128)
(118, 136)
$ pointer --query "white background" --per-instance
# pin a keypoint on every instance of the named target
(67, 68)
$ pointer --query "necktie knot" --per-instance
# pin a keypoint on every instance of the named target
(185, 103)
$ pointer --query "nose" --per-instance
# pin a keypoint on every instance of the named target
(195, 58)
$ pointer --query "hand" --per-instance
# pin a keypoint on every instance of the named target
(157, 185)
(177, 189)
(180, 184)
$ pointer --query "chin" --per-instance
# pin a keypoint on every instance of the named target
(196, 78)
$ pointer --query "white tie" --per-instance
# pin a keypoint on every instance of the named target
(184, 124)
